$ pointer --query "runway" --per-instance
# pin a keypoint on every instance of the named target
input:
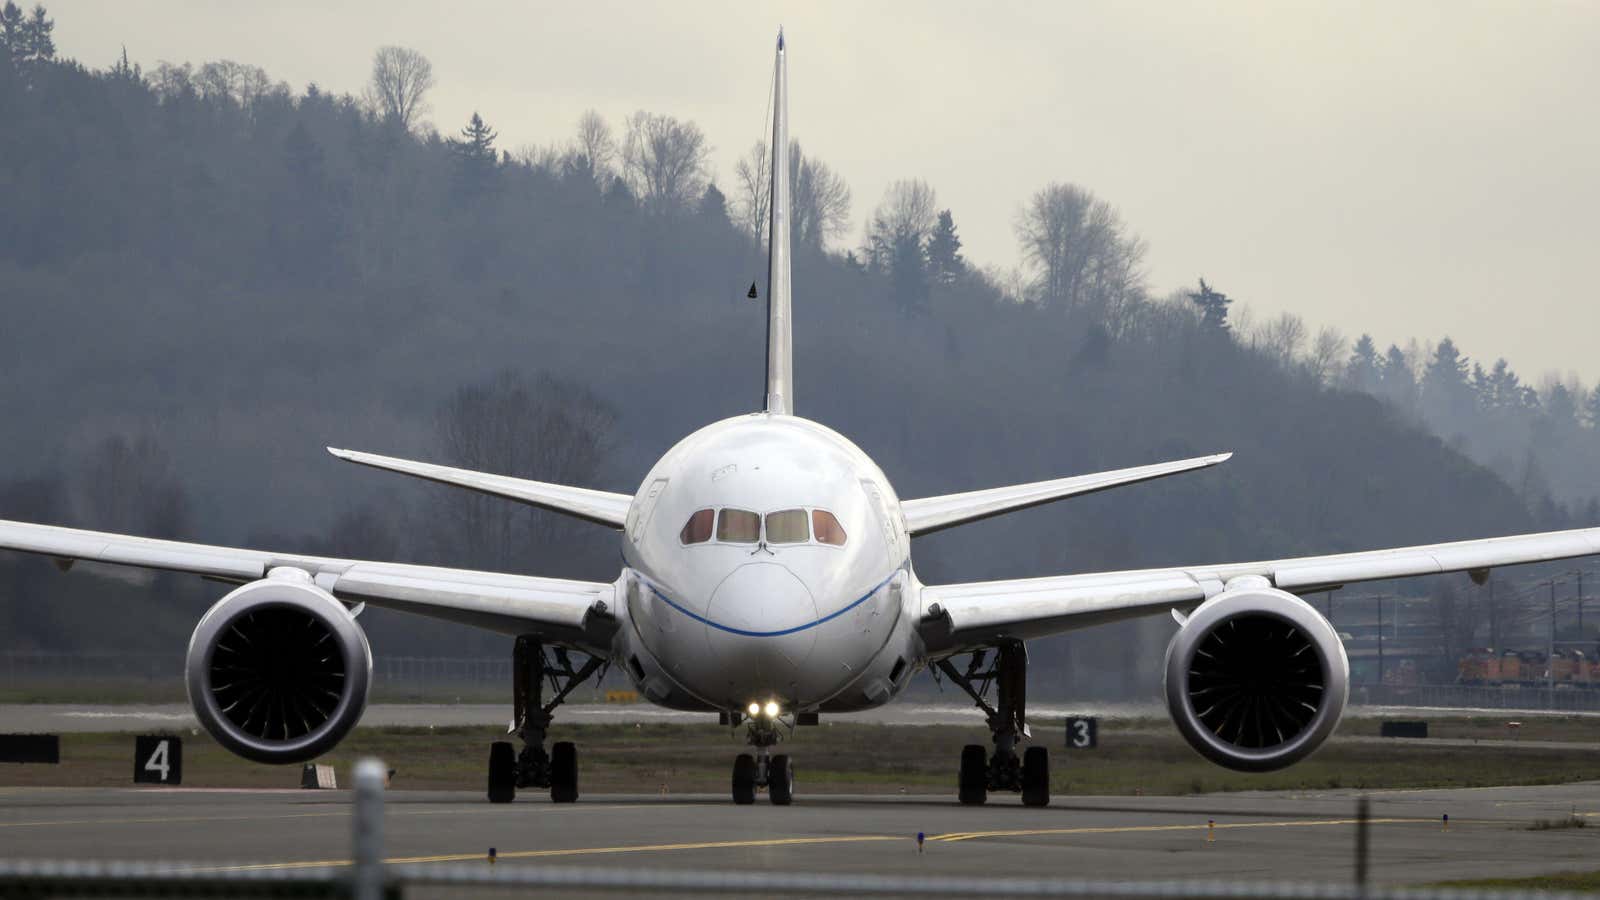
(1296, 836)
(73, 718)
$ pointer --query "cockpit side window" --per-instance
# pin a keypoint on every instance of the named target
(787, 527)
(826, 528)
(738, 526)
(698, 529)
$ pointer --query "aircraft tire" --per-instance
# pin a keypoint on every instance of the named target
(974, 776)
(780, 780)
(502, 772)
(563, 772)
(744, 779)
(1036, 777)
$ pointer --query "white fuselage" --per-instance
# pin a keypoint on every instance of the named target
(810, 620)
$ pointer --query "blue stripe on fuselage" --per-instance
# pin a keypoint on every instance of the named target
(743, 633)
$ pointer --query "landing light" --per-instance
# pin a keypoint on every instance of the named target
(772, 709)
(755, 709)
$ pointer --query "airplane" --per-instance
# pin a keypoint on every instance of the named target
(767, 578)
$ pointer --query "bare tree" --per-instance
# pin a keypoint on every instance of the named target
(1283, 336)
(542, 428)
(819, 198)
(751, 194)
(1327, 353)
(398, 89)
(229, 80)
(595, 149)
(1079, 251)
(131, 485)
(904, 218)
(664, 161)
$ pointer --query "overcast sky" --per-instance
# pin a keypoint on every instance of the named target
(1404, 168)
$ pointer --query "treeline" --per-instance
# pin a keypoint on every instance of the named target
(225, 274)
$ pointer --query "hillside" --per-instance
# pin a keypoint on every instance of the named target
(207, 279)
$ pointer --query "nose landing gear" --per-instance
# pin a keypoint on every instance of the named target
(1003, 770)
(556, 770)
(762, 769)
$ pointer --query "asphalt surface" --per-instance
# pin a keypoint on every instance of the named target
(62, 718)
(1297, 836)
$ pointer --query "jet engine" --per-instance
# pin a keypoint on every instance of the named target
(1256, 679)
(278, 670)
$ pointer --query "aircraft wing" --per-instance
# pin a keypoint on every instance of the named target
(572, 612)
(929, 514)
(956, 616)
(602, 507)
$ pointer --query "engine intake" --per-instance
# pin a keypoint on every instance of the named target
(278, 670)
(1256, 679)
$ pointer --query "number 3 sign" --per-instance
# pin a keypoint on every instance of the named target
(1081, 732)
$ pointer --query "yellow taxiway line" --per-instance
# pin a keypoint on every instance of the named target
(950, 837)
(1130, 829)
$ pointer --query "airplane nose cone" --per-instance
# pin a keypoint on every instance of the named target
(758, 631)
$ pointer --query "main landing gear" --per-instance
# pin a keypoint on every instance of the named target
(775, 772)
(533, 767)
(1002, 770)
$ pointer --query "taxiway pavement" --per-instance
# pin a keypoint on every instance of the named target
(1259, 835)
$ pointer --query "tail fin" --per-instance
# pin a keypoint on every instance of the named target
(780, 350)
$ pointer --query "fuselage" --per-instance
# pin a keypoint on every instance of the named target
(767, 561)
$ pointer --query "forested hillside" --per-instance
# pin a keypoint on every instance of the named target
(208, 276)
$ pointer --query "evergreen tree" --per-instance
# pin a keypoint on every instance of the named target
(38, 46)
(1396, 380)
(476, 157)
(1361, 372)
(1445, 387)
(714, 204)
(122, 71)
(945, 262)
(1213, 307)
(1591, 408)
(908, 273)
(12, 31)
(1561, 408)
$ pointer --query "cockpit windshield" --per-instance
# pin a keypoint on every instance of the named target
(784, 526)
(787, 527)
(827, 528)
(738, 526)
(698, 529)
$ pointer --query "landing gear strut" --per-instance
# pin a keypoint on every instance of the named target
(533, 767)
(762, 769)
(1003, 770)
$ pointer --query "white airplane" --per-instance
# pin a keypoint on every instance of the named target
(768, 579)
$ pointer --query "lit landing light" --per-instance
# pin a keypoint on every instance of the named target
(755, 710)
(772, 709)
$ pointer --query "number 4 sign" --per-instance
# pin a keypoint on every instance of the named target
(1081, 732)
(157, 759)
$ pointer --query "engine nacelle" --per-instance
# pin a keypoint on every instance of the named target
(278, 670)
(1256, 679)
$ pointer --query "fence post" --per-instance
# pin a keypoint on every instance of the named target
(1362, 814)
(367, 831)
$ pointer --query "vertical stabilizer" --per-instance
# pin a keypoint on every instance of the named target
(780, 355)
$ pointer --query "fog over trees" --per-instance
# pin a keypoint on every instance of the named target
(208, 276)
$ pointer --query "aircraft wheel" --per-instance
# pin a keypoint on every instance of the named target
(563, 772)
(974, 778)
(744, 779)
(1036, 777)
(780, 780)
(502, 772)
